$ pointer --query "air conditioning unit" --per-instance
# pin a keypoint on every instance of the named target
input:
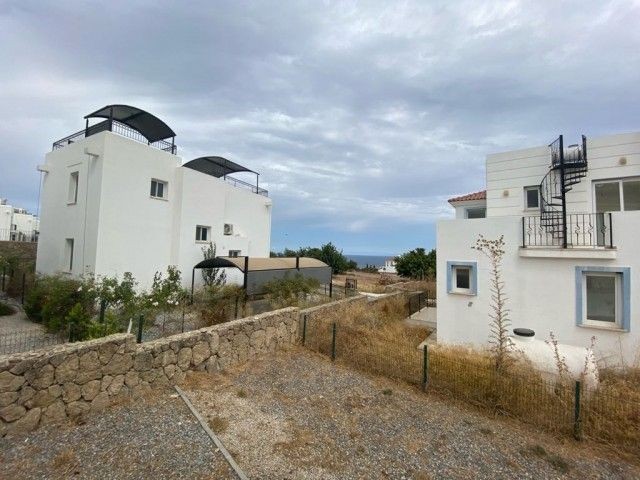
(228, 229)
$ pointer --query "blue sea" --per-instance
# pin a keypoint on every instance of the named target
(364, 260)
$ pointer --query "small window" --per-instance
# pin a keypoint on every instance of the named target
(72, 197)
(477, 212)
(202, 233)
(532, 198)
(158, 189)
(68, 255)
(234, 253)
(228, 229)
(603, 297)
(631, 194)
(462, 277)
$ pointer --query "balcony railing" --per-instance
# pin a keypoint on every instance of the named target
(120, 129)
(583, 230)
(7, 235)
(239, 183)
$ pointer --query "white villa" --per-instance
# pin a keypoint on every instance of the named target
(389, 266)
(117, 198)
(570, 216)
(17, 224)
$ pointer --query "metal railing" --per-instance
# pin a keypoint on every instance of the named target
(242, 184)
(116, 127)
(583, 230)
(7, 235)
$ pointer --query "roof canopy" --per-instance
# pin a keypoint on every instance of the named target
(257, 264)
(482, 195)
(215, 166)
(150, 126)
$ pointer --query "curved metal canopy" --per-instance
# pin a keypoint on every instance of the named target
(150, 126)
(215, 166)
(257, 264)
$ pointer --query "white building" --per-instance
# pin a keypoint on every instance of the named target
(17, 224)
(570, 217)
(116, 198)
(389, 266)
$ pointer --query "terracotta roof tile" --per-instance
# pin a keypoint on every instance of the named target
(470, 196)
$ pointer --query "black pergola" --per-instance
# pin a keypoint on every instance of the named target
(150, 126)
(219, 167)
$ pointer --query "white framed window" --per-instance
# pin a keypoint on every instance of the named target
(159, 188)
(203, 234)
(462, 277)
(617, 195)
(532, 197)
(72, 194)
(68, 255)
(235, 253)
(475, 212)
(603, 297)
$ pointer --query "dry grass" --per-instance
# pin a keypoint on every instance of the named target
(373, 338)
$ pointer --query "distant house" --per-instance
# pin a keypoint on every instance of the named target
(17, 224)
(570, 216)
(389, 266)
(117, 198)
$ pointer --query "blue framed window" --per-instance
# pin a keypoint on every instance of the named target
(603, 297)
(462, 277)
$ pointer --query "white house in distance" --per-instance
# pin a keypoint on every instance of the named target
(17, 224)
(570, 216)
(116, 198)
(389, 266)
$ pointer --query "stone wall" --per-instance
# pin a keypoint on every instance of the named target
(72, 380)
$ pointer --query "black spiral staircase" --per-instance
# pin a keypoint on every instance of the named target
(568, 167)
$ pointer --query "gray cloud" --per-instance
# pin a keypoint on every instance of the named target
(361, 116)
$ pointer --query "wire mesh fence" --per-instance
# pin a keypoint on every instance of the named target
(25, 340)
(603, 414)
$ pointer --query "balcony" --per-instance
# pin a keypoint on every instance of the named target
(589, 235)
(242, 184)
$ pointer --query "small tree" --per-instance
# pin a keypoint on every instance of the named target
(212, 276)
(501, 343)
(417, 264)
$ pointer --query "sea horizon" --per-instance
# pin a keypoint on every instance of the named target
(371, 260)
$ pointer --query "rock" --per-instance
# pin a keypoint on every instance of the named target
(165, 358)
(149, 376)
(140, 390)
(90, 361)
(100, 402)
(143, 361)
(106, 352)
(77, 409)
(71, 392)
(10, 382)
(116, 385)
(57, 359)
(27, 423)
(12, 412)
(68, 369)
(201, 352)
(55, 413)
(257, 339)
(131, 379)
(212, 364)
(42, 398)
(214, 343)
(170, 371)
(184, 358)
(26, 394)
(8, 398)
(85, 376)
(22, 366)
(106, 381)
(55, 390)
(119, 364)
(43, 377)
(91, 389)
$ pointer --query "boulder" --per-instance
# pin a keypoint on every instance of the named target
(10, 382)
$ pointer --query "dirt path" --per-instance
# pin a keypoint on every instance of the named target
(298, 416)
(17, 321)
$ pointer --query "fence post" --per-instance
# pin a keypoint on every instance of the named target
(24, 283)
(333, 343)
(183, 317)
(425, 367)
(140, 322)
(236, 312)
(103, 308)
(304, 329)
(331, 290)
(577, 423)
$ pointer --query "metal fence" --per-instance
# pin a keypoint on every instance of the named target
(583, 230)
(28, 339)
(564, 407)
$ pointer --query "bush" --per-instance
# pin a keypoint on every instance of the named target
(6, 309)
(219, 301)
(288, 291)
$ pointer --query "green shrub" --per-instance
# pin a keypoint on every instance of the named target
(5, 309)
(288, 291)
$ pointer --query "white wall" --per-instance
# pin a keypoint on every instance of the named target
(6, 214)
(541, 291)
(461, 207)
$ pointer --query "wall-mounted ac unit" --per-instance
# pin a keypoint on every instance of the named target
(228, 229)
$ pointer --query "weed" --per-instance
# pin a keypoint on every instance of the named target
(241, 393)
(218, 424)
(387, 391)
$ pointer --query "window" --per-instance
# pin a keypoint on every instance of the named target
(476, 212)
(68, 255)
(202, 233)
(603, 297)
(532, 198)
(158, 189)
(234, 253)
(228, 229)
(617, 195)
(72, 196)
(462, 277)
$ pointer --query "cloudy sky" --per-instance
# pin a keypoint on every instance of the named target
(362, 117)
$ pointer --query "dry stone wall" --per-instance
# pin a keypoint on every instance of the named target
(72, 380)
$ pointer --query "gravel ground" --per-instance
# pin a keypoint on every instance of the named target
(155, 438)
(296, 415)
